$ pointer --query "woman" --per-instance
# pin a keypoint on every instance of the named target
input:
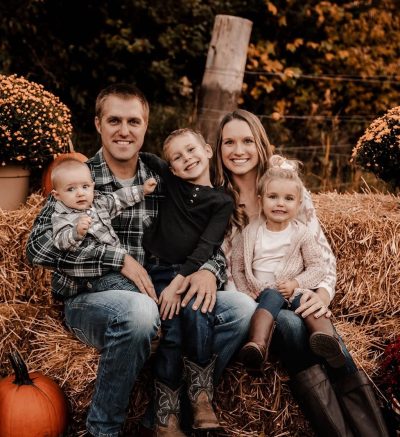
(338, 403)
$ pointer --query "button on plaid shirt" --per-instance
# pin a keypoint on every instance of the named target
(89, 262)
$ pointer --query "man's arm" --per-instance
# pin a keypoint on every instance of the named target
(155, 163)
(88, 262)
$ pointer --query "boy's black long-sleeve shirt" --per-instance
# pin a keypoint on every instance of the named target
(191, 222)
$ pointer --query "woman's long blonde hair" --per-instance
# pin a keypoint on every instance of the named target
(223, 177)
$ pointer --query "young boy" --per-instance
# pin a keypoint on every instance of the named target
(190, 227)
(83, 217)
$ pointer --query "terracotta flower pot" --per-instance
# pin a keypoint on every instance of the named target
(14, 186)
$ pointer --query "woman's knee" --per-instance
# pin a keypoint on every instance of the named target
(234, 307)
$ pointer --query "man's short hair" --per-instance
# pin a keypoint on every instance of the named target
(124, 91)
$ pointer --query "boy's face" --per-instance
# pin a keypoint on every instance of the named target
(75, 188)
(189, 159)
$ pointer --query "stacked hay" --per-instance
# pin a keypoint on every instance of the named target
(363, 231)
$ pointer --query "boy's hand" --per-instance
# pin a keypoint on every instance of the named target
(286, 288)
(170, 301)
(83, 225)
(149, 186)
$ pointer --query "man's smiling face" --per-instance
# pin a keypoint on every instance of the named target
(122, 126)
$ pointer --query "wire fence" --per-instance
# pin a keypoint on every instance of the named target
(327, 166)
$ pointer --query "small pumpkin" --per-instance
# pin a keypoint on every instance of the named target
(31, 404)
(46, 176)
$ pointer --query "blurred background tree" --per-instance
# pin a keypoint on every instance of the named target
(318, 72)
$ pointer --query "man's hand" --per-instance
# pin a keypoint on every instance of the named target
(312, 303)
(286, 287)
(83, 225)
(202, 283)
(138, 275)
(170, 301)
(149, 186)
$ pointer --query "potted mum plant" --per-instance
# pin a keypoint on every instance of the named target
(35, 127)
(378, 150)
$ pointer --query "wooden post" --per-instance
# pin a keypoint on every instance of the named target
(223, 76)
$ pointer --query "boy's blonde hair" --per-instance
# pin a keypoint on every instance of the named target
(281, 168)
(177, 133)
(66, 164)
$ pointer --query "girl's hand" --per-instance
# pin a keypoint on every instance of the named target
(170, 301)
(149, 186)
(311, 303)
(286, 288)
(83, 225)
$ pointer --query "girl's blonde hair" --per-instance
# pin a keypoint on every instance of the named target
(222, 177)
(281, 168)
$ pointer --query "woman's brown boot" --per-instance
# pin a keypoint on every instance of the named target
(255, 352)
(360, 405)
(200, 392)
(324, 340)
(317, 399)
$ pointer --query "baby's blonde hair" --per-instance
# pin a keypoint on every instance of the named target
(281, 168)
(64, 165)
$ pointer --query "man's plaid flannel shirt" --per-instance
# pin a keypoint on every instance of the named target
(88, 262)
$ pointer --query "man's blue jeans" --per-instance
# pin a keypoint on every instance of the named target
(121, 325)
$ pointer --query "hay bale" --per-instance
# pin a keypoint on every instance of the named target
(364, 232)
(19, 282)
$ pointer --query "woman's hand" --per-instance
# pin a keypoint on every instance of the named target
(315, 303)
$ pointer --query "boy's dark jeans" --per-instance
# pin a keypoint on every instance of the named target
(189, 334)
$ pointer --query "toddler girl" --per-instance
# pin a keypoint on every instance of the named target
(275, 260)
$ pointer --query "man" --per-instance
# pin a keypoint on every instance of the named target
(121, 323)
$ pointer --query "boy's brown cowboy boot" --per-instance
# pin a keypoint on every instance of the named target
(324, 340)
(167, 411)
(200, 392)
(255, 352)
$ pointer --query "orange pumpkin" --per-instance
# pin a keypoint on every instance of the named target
(46, 177)
(31, 405)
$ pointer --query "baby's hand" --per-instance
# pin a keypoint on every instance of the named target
(149, 186)
(83, 225)
(286, 288)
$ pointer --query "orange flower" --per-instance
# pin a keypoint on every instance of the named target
(29, 114)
